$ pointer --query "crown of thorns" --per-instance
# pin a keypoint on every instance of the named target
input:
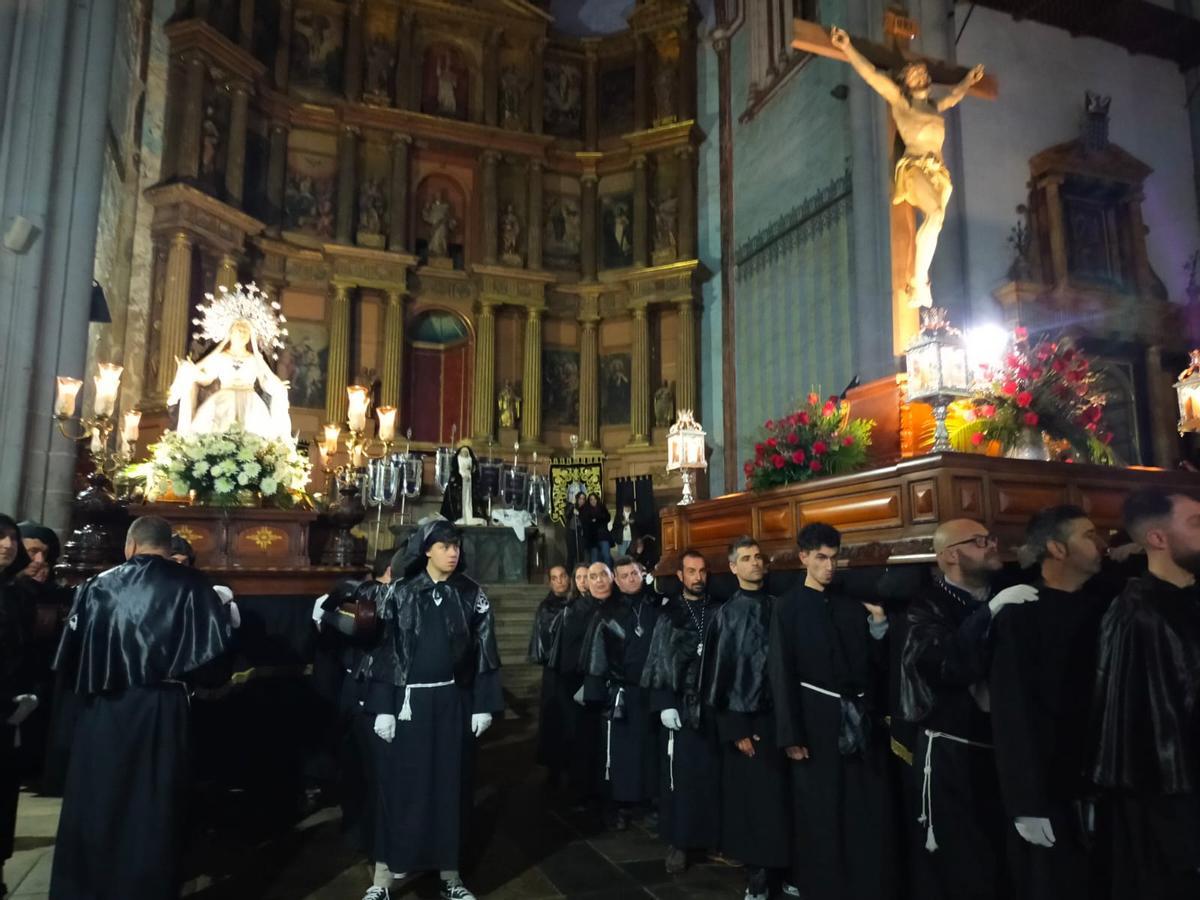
(245, 302)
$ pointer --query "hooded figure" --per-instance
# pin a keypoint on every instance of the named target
(17, 699)
(452, 501)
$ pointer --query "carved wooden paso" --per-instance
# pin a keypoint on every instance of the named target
(240, 537)
(888, 515)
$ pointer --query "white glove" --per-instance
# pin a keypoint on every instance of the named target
(226, 594)
(235, 615)
(1037, 831)
(670, 719)
(319, 609)
(578, 698)
(26, 704)
(1018, 593)
(385, 726)
(480, 722)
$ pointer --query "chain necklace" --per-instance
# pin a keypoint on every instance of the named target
(637, 604)
(699, 623)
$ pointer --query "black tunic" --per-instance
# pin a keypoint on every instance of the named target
(690, 769)
(1147, 755)
(557, 699)
(943, 682)
(755, 807)
(1042, 679)
(135, 633)
(585, 723)
(615, 652)
(15, 679)
(840, 801)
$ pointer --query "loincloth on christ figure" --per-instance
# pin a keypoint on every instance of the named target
(929, 165)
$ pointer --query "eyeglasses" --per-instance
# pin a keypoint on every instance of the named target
(982, 541)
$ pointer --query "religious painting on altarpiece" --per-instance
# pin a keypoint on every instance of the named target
(561, 231)
(382, 23)
(303, 363)
(568, 478)
(311, 186)
(617, 230)
(318, 48)
(616, 100)
(445, 82)
(560, 386)
(562, 106)
(614, 389)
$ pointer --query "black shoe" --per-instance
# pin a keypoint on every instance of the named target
(676, 861)
(455, 890)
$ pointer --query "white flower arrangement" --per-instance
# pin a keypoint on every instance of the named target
(218, 468)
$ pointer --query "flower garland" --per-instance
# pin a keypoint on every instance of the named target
(818, 439)
(220, 467)
(1045, 386)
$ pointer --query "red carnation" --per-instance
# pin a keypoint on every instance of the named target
(793, 438)
(1037, 373)
(1107, 437)
(778, 461)
(748, 468)
(1009, 388)
(759, 448)
(815, 465)
(1058, 366)
(769, 424)
(1012, 360)
(797, 456)
(987, 410)
(819, 447)
(803, 418)
(1024, 372)
(1020, 333)
(1031, 419)
(848, 441)
(1024, 399)
(813, 399)
(829, 408)
(772, 443)
(977, 438)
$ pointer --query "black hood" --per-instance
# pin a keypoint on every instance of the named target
(21, 563)
(39, 532)
(411, 559)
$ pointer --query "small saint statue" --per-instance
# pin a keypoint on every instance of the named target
(510, 235)
(447, 86)
(439, 216)
(463, 500)
(664, 406)
(508, 405)
(921, 177)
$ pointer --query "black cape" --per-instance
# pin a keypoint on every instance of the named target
(135, 633)
(556, 717)
(840, 800)
(15, 678)
(585, 725)
(1147, 740)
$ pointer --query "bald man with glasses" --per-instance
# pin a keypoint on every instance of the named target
(944, 667)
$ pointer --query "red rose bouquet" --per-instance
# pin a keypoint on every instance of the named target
(818, 439)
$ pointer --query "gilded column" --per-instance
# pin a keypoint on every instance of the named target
(587, 228)
(641, 213)
(283, 49)
(491, 77)
(533, 228)
(235, 162)
(276, 177)
(687, 201)
(227, 272)
(531, 401)
(347, 162)
(173, 328)
(537, 96)
(339, 354)
(393, 349)
(639, 380)
(591, 99)
(491, 206)
(187, 160)
(485, 373)
(589, 375)
(404, 63)
(352, 80)
(686, 373)
(398, 207)
(641, 84)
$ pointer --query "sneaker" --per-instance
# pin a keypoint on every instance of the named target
(676, 861)
(750, 896)
(455, 890)
(377, 893)
(790, 890)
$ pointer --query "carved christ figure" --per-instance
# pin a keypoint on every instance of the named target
(921, 176)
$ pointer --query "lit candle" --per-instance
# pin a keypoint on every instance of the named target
(322, 454)
(360, 457)
(333, 433)
(97, 442)
(133, 419)
(68, 394)
(387, 423)
(359, 402)
(108, 382)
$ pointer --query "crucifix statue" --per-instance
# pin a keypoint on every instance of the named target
(920, 179)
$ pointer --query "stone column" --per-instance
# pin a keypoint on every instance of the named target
(686, 377)
(191, 122)
(591, 122)
(338, 373)
(227, 272)
(641, 84)
(1058, 233)
(246, 25)
(491, 77)
(686, 241)
(347, 183)
(393, 349)
(537, 96)
(587, 228)
(491, 206)
(686, 102)
(589, 376)
(283, 49)
(353, 77)
(641, 213)
(639, 380)
(531, 400)
(533, 228)
(176, 310)
(398, 206)
(482, 417)
(235, 160)
(404, 62)
(276, 177)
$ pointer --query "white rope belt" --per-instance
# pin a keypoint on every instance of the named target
(608, 741)
(926, 817)
(821, 690)
(671, 757)
(406, 709)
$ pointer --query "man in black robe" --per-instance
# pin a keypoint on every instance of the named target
(558, 695)
(1042, 678)
(585, 723)
(1147, 756)
(614, 654)
(827, 652)
(689, 783)
(138, 637)
(944, 666)
(433, 685)
(17, 700)
(756, 823)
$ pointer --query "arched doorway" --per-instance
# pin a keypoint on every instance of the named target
(437, 377)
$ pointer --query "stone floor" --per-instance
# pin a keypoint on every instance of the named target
(529, 846)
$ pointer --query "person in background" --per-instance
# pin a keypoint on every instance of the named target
(624, 530)
(557, 697)
(17, 700)
(585, 725)
(596, 527)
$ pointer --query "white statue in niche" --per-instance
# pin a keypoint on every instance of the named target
(439, 216)
(447, 86)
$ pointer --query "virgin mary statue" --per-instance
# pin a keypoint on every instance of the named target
(245, 325)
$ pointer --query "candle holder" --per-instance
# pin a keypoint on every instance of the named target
(938, 374)
(108, 456)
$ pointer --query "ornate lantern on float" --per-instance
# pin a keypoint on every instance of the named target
(685, 451)
(937, 371)
(1188, 389)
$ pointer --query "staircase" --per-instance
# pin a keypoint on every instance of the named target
(514, 606)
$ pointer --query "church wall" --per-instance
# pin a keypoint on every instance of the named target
(1043, 73)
